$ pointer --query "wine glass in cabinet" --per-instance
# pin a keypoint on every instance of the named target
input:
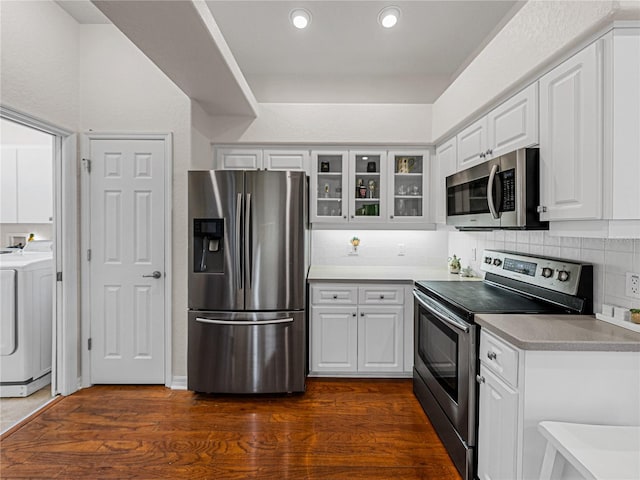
(328, 187)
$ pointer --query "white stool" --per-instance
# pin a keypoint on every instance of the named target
(598, 452)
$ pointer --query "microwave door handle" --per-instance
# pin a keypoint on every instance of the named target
(450, 321)
(492, 206)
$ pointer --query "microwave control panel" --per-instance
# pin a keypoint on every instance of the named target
(508, 179)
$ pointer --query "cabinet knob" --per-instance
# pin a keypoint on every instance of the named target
(352, 216)
(381, 297)
(391, 216)
(479, 379)
(335, 296)
(362, 314)
(353, 314)
(344, 216)
(541, 209)
(492, 355)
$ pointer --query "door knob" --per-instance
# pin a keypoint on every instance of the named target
(155, 274)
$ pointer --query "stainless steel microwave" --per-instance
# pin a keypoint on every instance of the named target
(503, 192)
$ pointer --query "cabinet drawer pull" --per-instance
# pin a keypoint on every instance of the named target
(492, 355)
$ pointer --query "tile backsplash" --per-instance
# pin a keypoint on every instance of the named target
(380, 248)
(611, 258)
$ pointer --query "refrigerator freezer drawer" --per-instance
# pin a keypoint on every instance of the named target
(247, 352)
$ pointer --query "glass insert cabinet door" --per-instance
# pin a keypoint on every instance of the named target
(368, 185)
(408, 181)
(329, 186)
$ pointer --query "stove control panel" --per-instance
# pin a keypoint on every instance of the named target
(552, 273)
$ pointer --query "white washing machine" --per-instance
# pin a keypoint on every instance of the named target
(26, 319)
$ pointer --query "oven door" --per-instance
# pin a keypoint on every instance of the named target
(445, 358)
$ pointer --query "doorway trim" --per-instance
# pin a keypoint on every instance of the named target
(65, 377)
(85, 237)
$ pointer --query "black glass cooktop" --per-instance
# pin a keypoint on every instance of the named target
(481, 297)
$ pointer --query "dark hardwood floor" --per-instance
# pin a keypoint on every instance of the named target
(339, 429)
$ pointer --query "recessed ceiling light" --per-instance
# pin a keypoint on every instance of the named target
(300, 18)
(389, 16)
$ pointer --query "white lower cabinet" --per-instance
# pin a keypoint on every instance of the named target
(519, 388)
(380, 339)
(358, 330)
(334, 333)
(497, 434)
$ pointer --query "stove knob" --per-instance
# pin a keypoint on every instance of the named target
(563, 275)
(497, 262)
(547, 272)
(487, 260)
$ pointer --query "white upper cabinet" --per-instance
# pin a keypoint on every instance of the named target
(444, 165)
(511, 125)
(622, 122)
(8, 185)
(26, 184)
(328, 187)
(286, 159)
(368, 186)
(408, 186)
(570, 138)
(261, 159)
(374, 187)
(514, 124)
(238, 159)
(472, 144)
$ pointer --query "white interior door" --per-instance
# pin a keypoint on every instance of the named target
(127, 247)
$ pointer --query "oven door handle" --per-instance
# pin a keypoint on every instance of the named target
(450, 321)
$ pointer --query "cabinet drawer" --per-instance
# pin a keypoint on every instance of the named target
(381, 295)
(334, 294)
(499, 357)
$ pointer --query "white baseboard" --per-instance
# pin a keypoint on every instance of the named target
(179, 382)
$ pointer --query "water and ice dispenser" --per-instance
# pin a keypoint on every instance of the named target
(208, 245)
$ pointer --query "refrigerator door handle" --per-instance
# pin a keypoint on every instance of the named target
(238, 263)
(244, 322)
(248, 241)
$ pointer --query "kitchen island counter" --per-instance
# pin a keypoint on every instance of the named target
(560, 332)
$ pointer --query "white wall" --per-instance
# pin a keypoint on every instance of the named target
(611, 258)
(379, 248)
(39, 61)
(538, 33)
(121, 90)
(383, 124)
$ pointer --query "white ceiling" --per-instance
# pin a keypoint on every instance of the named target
(345, 56)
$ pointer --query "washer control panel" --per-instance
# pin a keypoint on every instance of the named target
(552, 273)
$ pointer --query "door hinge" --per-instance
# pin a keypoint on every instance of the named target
(58, 276)
(87, 164)
(89, 343)
(88, 255)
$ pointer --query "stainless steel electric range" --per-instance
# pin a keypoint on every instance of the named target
(446, 336)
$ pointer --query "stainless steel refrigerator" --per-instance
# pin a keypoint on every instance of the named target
(247, 281)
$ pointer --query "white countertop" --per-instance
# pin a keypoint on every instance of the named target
(386, 274)
(560, 332)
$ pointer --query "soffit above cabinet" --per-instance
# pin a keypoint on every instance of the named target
(184, 41)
